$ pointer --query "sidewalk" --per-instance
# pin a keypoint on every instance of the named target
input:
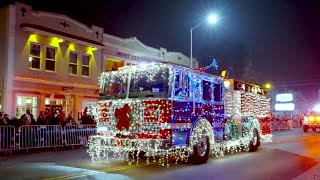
(288, 134)
(313, 173)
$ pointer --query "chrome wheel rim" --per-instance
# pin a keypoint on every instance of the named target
(255, 138)
(202, 146)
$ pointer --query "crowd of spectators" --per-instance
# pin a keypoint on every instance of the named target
(45, 118)
(281, 118)
(39, 136)
(283, 122)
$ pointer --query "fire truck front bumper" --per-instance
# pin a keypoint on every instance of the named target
(108, 144)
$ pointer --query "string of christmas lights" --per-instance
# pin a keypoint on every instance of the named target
(213, 64)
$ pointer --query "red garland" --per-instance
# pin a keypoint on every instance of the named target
(123, 117)
(201, 69)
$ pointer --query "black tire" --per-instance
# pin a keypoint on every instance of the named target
(255, 142)
(134, 154)
(305, 129)
(196, 157)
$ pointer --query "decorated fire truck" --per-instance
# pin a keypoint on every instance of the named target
(164, 111)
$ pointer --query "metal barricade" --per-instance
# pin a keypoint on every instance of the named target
(78, 134)
(7, 138)
(40, 136)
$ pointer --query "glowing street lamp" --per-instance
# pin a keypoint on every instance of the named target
(212, 20)
(267, 86)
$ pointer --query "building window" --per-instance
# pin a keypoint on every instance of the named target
(85, 65)
(50, 59)
(73, 59)
(65, 105)
(90, 104)
(113, 65)
(25, 103)
(34, 58)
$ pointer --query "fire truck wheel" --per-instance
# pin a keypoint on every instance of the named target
(201, 151)
(305, 129)
(254, 143)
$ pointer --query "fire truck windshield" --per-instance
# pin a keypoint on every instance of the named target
(143, 83)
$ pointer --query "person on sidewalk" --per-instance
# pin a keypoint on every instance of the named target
(29, 116)
(3, 121)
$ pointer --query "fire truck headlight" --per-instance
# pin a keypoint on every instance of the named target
(227, 84)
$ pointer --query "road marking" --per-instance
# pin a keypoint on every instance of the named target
(112, 169)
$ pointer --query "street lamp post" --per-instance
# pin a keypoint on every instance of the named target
(212, 19)
(191, 62)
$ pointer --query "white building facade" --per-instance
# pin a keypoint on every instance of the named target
(51, 61)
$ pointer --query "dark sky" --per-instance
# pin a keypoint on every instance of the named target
(280, 37)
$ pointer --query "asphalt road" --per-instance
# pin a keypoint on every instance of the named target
(285, 158)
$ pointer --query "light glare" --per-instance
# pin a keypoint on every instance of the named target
(212, 19)
(268, 86)
(316, 108)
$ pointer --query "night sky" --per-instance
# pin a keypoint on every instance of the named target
(274, 41)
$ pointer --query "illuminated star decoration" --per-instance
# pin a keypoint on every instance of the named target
(213, 64)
